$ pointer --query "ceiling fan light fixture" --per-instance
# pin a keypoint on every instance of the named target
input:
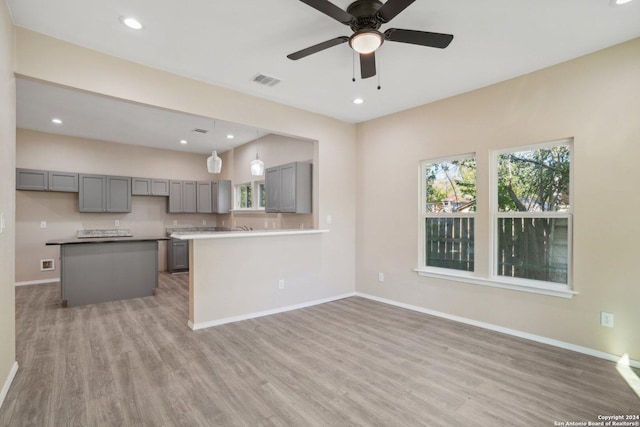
(366, 41)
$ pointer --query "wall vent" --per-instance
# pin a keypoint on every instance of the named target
(200, 130)
(265, 80)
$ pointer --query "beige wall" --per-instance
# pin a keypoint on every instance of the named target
(7, 200)
(48, 59)
(37, 150)
(593, 99)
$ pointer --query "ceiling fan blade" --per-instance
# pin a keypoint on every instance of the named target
(391, 8)
(318, 47)
(422, 38)
(330, 10)
(367, 65)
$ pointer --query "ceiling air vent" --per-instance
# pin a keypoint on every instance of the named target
(265, 80)
(200, 130)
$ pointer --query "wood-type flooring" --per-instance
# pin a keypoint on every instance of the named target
(352, 362)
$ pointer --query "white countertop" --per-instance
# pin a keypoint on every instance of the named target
(239, 234)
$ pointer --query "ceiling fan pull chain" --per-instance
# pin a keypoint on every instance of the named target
(353, 66)
(379, 71)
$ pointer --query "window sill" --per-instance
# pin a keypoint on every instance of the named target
(561, 291)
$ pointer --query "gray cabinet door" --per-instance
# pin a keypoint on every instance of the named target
(189, 197)
(272, 186)
(204, 197)
(93, 196)
(140, 186)
(221, 196)
(177, 255)
(175, 197)
(118, 194)
(288, 188)
(63, 181)
(160, 187)
(32, 179)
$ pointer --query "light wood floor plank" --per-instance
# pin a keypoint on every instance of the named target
(352, 362)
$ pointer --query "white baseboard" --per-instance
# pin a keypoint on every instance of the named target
(38, 282)
(516, 333)
(7, 383)
(217, 322)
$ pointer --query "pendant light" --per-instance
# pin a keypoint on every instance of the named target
(257, 165)
(214, 163)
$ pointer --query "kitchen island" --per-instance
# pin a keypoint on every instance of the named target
(107, 269)
(237, 275)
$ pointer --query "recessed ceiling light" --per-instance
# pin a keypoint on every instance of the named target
(618, 2)
(183, 141)
(56, 121)
(358, 101)
(132, 23)
(230, 136)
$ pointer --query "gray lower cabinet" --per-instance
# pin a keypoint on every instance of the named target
(43, 180)
(98, 272)
(100, 193)
(182, 197)
(288, 188)
(149, 187)
(177, 255)
(221, 196)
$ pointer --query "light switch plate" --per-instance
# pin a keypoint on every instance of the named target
(3, 224)
(43, 224)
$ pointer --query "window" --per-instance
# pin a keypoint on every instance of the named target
(532, 213)
(262, 195)
(243, 196)
(448, 206)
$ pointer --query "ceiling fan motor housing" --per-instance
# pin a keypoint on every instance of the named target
(365, 15)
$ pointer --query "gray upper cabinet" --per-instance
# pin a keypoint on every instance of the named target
(221, 196)
(204, 197)
(182, 197)
(149, 187)
(42, 180)
(288, 188)
(99, 193)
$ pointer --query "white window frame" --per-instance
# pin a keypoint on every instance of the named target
(261, 203)
(423, 268)
(521, 283)
(238, 193)
(491, 278)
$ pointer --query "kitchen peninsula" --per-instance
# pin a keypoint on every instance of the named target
(107, 268)
(239, 275)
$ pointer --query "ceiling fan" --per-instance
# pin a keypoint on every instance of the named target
(365, 18)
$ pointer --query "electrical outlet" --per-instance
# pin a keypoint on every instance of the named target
(380, 277)
(329, 219)
(266, 224)
(606, 319)
(281, 284)
(43, 224)
(116, 223)
(175, 222)
(204, 222)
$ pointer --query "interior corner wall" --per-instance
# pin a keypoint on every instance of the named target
(7, 199)
(594, 99)
(52, 60)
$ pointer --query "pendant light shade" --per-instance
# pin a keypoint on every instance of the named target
(257, 165)
(214, 163)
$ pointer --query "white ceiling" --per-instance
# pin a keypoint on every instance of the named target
(227, 42)
(93, 116)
